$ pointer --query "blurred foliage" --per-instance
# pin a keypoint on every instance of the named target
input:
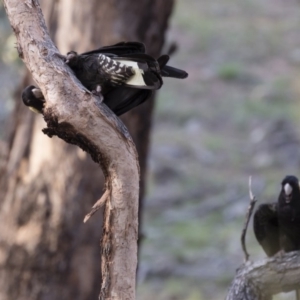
(229, 71)
(11, 69)
(236, 115)
(8, 53)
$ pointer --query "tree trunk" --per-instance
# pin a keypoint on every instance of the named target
(46, 252)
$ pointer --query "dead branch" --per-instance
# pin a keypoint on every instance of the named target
(76, 116)
(260, 280)
(248, 217)
(97, 206)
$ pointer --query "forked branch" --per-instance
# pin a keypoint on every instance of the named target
(76, 116)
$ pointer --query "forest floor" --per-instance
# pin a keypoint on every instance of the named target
(236, 115)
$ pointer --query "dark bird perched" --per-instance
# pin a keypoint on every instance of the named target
(277, 225)
(266, 228)
(123, 73)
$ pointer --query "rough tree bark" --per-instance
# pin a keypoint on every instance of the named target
(260, 280)
(49, 254)
(75, 115)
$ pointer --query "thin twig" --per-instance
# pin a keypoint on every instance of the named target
(97, 206)
(248, 216)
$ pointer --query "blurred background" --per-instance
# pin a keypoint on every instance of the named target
(235, 115)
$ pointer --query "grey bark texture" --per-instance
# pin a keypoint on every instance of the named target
(73, 114)
(47, 186)
(263, 279)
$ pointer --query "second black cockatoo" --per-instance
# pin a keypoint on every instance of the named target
(277, 225)
(123, 73)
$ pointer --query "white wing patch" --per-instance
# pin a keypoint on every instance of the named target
(137, 79)
(122, 71)
(116, 72)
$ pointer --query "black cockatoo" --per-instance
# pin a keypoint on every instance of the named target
(123, 73)
(277, 225)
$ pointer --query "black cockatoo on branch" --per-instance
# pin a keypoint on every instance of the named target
(123, 73)
(277, 225)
